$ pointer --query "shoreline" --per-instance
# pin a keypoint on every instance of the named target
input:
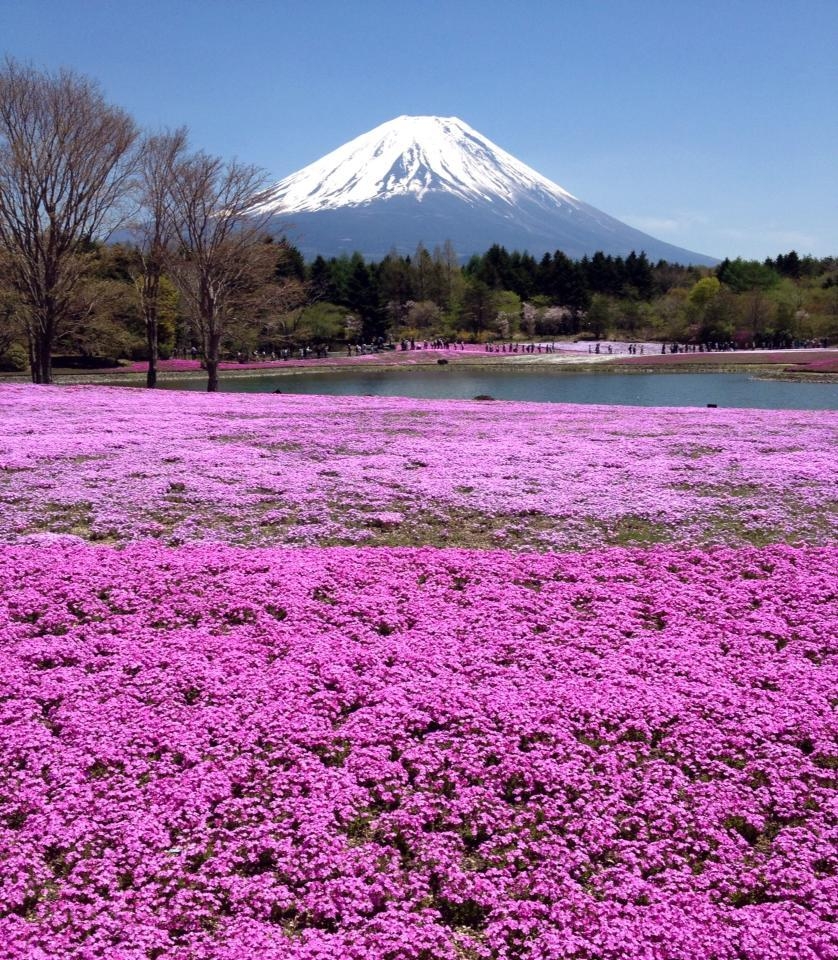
(756, 363)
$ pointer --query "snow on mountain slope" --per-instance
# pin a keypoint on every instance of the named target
(432, 180)
(412, 156)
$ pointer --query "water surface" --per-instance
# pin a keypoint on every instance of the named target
(539, 385)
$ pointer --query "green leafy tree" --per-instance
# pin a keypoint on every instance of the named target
(669, 319)
(395, 287)
(704, 291)
(100, 321)
(507, 313)
(600, 315)
(742, 275)
(718, 319)
(322, 322)
(480, 306)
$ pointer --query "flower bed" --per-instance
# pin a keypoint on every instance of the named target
(219, 753)
(803, 356)
(815, 366)
(336, 358)
(113, 465)
(304, 751)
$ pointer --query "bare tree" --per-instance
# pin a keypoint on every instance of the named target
(155, 229)
(218, 235)
(66, 161)
(11, 326)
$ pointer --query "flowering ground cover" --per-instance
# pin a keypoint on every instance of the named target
(468, 351)
(577, 351)
(821, 365)
(732, 358)
(249, 707)
(112, 465)
(213, 752)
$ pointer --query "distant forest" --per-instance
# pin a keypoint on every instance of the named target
(285, 303)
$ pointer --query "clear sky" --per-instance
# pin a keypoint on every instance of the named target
(711, 125)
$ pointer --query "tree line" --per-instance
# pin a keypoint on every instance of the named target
(502, 294)
(198, 273)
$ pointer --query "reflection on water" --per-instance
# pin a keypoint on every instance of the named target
(542, 385)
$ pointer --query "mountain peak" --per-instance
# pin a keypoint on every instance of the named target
(411, 156)
(433, 179)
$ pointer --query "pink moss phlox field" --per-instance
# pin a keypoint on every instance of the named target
(738, 357)
(221, 753)
(115, 464)
(397, 357)
(816, 366)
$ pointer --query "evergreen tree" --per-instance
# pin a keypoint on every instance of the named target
(788, 265)
(638, 276)
(320, 281)
(362, 297)
(289, 262)
(741, 275)
(423, 274)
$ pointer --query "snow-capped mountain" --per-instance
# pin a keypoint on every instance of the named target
(432, 179)
(414, 156)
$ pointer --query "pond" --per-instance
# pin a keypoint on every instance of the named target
(540, 385)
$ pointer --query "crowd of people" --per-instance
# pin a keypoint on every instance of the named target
(438, 343)
(305, 352)
(720, 346)
(520, 347)
(357, 349)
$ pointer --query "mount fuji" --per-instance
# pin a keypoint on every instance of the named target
(435, 179)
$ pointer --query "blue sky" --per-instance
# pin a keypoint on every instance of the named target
(711, 125)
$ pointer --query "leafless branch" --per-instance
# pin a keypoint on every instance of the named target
(67, 163)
